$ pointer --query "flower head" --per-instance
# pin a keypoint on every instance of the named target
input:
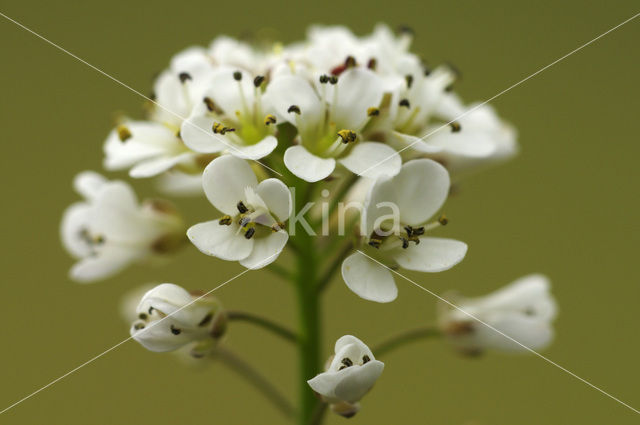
(169, 317)
(110, 230)
(351, 374)
(251, 229)
(399, 238)
(523, 310)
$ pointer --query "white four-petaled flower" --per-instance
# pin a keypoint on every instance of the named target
(251, 230)
(523, 310)
(169, 317)
(351, 374)
(398, 237)
(110, 230)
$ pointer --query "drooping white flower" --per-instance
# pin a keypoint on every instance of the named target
(109, 230)
(524, 310)
(169, 317)
(328, 117)
(395, 225)
(251, 230)
(351, 374)
(230, 117)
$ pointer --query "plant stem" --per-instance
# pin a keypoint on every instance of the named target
(279, 270)
(245, 370)
(263, 322)
(405, 337)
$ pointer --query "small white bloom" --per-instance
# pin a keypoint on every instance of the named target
(523, 310)
(394, 222)
(177, 183)
(328, 118)
(227, 51)
(169, 317)
(109, 230)
(252, 228)
(229, 117)
(351, 374)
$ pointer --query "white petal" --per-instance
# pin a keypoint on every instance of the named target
(176, 183)
(358, 90)
(159, 165)
(306, 165)
(225, 180)
(74, 221)
(197, 133)
(368, 279)
(256, 151)
(218, 240)
(529, 294)
(157, 336)
(231, 95)
(416, 143)
(277, 197)
(466, 142)
(345, 340)
(88, 184)
(110, 260)
(265, 250)
(529, 331)
(431, 255)
(358, 381)
(289, 90)
(372, 159)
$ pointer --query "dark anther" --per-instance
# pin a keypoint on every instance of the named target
(409, 79)
(350, 62)
(443, 220)
(365, 359)
(225, 220)
(206, 319)
(294, 108)
(427, 71)
(375, 243)
(269, 119)
(333, 79)
(150, 311)
(250, 232)
(142, 316)
(242, 208)
(409, 230)
(449, 88)
(175, 330)
(138, 326)
(210, 105)
(373, 112)
(405, 29)
(372, 64)
(417, 231)
(184, 76)
(237, 75)
(258, 80)
(324, 79)
(405, 103)
(347, 136)
(455, 126)
(405, 243)
(347, 362)
(123, 133)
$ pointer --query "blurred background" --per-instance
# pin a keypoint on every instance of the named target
(567, 207)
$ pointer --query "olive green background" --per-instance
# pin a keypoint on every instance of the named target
(567, 206)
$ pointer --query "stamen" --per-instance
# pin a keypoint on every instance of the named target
(242, 208)
(142, 316)
(324, 79)
(350, 62)
(175, 330)
(124, 133)
(295, 109)
(407, 30)
(237, 75)
(443, 220)
(257, 82)
(365, 359)
(150, 311)
(269, 119)
(221, 129)
(375, 242)
(210, 105)
(405, 243)
(277, 227)
(206, 319)
(244, 221)
(250, 232)
(347, 136)
(372, 64)
(455, 126)
(409, 79)
(405, 103)
(138, 326)
(184, 76)
(333, 80)
(373, 112)
(225, 220)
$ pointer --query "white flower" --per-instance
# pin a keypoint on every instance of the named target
(351, 374)
(176, 183)
(109, 229)
(231, 52)
(229, 117)
(328, 117)
(394, 221)
(523, 310)
(148, 148)
(169, 317)
(251, 230)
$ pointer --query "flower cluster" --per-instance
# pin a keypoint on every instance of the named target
(263, 133)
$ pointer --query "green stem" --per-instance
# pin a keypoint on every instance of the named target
(245, 370)
(263, 322)
(406, 337)
(279, 270)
